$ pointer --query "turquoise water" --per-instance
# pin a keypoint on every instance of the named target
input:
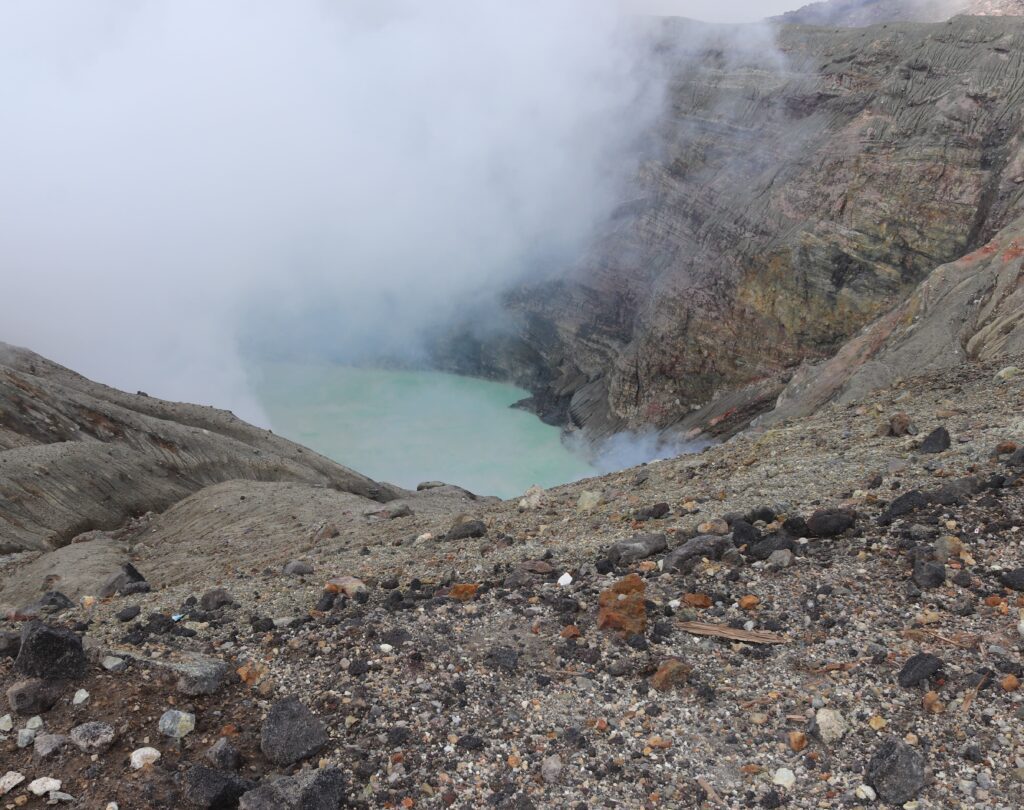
(410, 426)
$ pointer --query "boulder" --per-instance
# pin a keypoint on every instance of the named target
(637, 548)
(213, 790)
(685, 558)
(33, 696)
(50, 653)
(291, 733)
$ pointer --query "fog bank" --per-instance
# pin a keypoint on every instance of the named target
(311, 174)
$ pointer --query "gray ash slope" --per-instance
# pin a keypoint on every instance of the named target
(863, 596)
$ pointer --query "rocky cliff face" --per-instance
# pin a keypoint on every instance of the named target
(854, 13)
(969, 310)
(794, 198)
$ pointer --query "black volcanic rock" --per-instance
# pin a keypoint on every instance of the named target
(291, 733)
(50, 653)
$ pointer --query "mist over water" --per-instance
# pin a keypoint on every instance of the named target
(328, 177)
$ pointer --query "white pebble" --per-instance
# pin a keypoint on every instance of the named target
(141, 757)
(866, 793)
(80, 697)
(43, 785)
(10, 781)
(565, 580)
(386, 648)
(6, 723)
(34, 723)
(784, 777)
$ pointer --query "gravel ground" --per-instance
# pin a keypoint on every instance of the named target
(472, 672)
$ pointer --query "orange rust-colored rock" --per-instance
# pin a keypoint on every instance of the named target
(749, 602)
(797, 741)
(697, 600)
(1011, 683)
(347, 585)
(572, 631)
(670, 674)
(622, 608)
(463, 591)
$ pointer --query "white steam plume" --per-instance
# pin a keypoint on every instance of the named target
(176, 173)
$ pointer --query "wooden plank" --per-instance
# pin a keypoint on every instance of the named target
(731, 633)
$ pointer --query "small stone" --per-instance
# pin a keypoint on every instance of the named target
(917, 669)
(349, 586)
(141, 757)
(896, 772)
(830, 725)
(215, 599)
(93, 738)
(671, 674)
(637, 548)
(533, 499)
(749, 602)
(298, 568)
(947, 547)
(685, 558)
(900, 424)
(25, 737)
(34, 723)
(465, 529)
(128, 613)
(46, 745)
(830, 522)
(778, 560)
(111, 663)
(937, 441)
(797, 741)
(224, 756)
(6, 723)
(1014, 580)
(9, 781)
(1010, 683)
(44, 785)
(565, 580)
(588, 501)
(865, 793)
(784, 778)
(551, 769)
(929, 575)
(1008, 373)
(176, 724)
(716, 526)
(622, 607)
(291, 733)
(81, 696)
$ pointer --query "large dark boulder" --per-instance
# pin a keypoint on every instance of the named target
(213, 790)
(50, 653)
(291, 733)
(322, 789)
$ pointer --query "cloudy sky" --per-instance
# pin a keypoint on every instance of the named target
(717, 10)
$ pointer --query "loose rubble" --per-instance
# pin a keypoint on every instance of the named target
(810, 616)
